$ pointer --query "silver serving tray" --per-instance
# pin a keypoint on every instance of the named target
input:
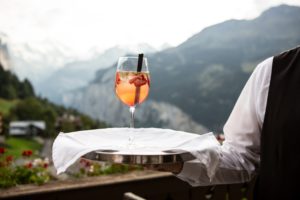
(164, 157)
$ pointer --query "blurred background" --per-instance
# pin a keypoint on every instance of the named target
(58, 62)
(200, 53)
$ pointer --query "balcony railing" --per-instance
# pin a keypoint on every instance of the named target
(144, 184)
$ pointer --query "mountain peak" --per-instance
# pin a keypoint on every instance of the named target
(281, 10)
(241, 30)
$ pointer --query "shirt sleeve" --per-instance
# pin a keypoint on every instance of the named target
(239, 157)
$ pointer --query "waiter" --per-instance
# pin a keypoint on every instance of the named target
(262, 135)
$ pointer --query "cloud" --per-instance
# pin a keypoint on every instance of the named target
(81, 25)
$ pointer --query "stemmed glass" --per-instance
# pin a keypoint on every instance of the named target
(132, 82)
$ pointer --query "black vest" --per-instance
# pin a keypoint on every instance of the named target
(280, 139)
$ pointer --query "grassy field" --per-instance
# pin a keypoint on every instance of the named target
(6, 105)
(15, 146)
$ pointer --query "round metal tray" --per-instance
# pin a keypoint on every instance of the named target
(164, 157)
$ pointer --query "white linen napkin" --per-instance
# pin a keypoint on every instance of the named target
(69, 147)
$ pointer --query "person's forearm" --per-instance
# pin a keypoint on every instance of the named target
(232, 167)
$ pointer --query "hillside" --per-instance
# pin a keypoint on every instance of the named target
(6, 105)
(203, 76)
(78, 74)
(12, 88)
(213, 66)
(18, 102)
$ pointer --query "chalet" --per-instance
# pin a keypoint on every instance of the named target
(27, 128)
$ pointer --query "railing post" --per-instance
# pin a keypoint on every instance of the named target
(131, 196)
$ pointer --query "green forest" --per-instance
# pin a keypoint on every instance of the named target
(19, 102)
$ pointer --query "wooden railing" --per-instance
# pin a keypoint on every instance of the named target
(145, 184)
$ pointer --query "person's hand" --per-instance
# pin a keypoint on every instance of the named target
(167, 167)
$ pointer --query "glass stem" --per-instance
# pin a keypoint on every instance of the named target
(132, 109)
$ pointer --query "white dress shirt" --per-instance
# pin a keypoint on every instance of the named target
(239, 157)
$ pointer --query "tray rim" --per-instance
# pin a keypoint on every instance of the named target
(165, 157)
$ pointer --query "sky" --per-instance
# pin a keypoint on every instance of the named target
(82, 25)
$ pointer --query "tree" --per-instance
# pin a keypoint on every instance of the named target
(12, 88)
(25, 89)
(34, 109)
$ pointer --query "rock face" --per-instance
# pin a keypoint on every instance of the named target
(4, 53)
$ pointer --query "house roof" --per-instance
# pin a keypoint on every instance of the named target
(38, 124)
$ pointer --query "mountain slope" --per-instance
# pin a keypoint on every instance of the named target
(204, 75)
(18, 102)
(78, 74)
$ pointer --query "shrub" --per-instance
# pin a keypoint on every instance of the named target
(29, 170)
(94, 168)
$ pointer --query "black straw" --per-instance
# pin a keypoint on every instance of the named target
(140, 63)
(138, 89)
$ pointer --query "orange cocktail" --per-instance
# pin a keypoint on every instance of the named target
(132, 88)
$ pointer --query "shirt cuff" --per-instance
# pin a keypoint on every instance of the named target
(191, 172)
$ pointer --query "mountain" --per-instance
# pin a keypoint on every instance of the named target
(78, 74)
(98, 100)
(4, 52)
(36, 61)
(204, 75)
